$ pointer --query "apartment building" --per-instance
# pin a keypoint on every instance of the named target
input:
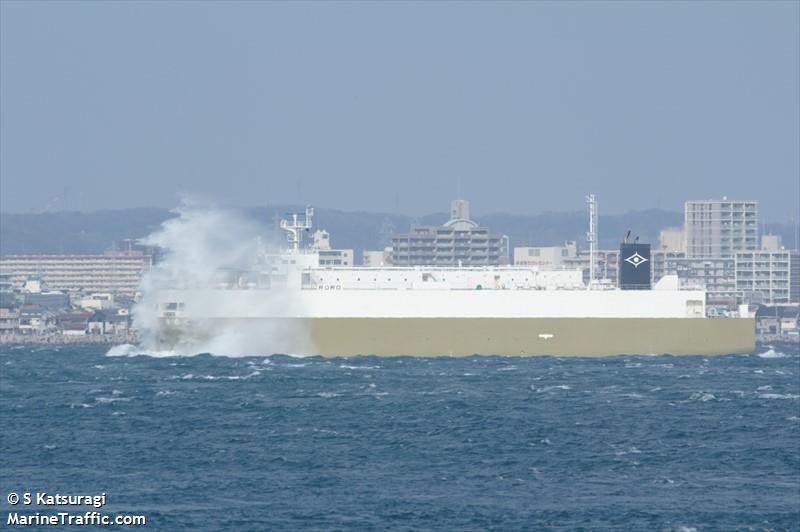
(116, 272)
(460, 241)
(720, 228)
(768, 276)
(714, 274)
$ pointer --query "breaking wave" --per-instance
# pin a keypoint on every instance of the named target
(205, 250)
(771, 353)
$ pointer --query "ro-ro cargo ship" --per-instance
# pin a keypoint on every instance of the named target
(300, 307)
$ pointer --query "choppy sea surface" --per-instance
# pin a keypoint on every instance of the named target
(479, 443)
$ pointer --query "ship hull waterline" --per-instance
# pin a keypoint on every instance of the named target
(586, 337)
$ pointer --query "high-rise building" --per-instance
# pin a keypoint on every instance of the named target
(720, 228)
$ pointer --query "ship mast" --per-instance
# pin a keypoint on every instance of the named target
(591, 236)
(295, 227)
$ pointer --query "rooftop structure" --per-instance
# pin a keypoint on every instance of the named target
(771, 242)
(672, 239)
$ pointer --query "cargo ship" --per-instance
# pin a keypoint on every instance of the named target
(292, 304)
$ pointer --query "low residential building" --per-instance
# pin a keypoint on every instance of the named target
(36, 320)
(8, 297)
(9, 320)
(790, 324)
(36, 293)
(105, 322)
(778, 320)
(97, 301)
(74, 323)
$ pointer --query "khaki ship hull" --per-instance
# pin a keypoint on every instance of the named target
(470, 336)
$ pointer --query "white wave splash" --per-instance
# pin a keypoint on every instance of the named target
(702, 397)
(779, 396)
(771, 353)
(204, 247)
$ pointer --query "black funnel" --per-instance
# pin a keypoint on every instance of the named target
(634, 266)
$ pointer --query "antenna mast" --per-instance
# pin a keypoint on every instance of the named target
(591, 236)
(295, 227)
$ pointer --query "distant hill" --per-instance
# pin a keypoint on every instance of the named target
(76, 232)
(94, 232)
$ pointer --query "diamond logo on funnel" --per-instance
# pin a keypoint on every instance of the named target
(636, 260)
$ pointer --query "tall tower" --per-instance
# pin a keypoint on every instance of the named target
(385, 233)
(591, 235)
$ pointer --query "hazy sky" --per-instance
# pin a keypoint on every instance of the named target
(388, 106)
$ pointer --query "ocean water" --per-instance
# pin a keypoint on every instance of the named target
(479, 443)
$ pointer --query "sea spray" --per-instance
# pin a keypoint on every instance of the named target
(207, 254)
